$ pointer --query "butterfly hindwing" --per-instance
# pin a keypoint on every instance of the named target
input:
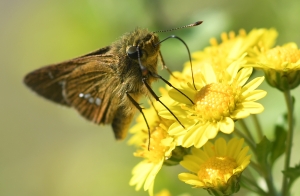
(92, 90)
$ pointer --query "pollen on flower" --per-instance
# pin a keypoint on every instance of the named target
(215, 101)
(217, 168)
(281, 66)
(157, 149)
(283, 54)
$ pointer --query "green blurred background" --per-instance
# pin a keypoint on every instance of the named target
(49, 150)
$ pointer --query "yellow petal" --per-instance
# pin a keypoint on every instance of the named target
(252, 85)
(232, 70)
(239, 114)
(176, 110)
(140, 173)
(177, 96)
(232, 147)
(244, 75)
(176, 129)
(200, 153)
(190, 136)
(221, 147)
(211, 130)
(190, 179)
(237, 148)
(241, 156)
(191, 163)
(209, 74)
(226, 125)
(152, 174)
(253, 107)
(255, 95)
(209, 149)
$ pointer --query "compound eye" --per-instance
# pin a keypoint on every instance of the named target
(133, 53)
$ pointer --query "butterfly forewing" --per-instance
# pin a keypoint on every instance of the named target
(88, 83)
(48, 81)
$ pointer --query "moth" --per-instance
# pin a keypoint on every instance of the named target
(105, 86)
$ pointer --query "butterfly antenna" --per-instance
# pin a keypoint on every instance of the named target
(176, 37)
(189, 53)
(185, 26)
(144, 69)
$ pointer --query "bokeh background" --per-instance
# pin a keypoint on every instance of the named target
(49, 150)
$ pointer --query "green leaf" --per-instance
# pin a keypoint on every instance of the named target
(262, 151)
(278, 145)
(292, 173)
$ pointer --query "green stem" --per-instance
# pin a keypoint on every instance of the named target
(269, 180)
(245, 128)
(258, 127)
(267, 174)
(247, 139)
(289, 103)
(256, 167)
(255, 188)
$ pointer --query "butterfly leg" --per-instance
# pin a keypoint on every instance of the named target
(169, 84)
(155, 109)
(137, 105)
(157, 99)
(164, 64)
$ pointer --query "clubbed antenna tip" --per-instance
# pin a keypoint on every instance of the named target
(190, 25)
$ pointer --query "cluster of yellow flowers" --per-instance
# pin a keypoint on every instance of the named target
(219, 95)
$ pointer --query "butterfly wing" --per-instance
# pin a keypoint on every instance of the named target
(96, 92)
(88, 83)
(91, 89)
(48, 81)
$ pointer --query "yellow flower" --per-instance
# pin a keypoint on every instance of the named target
(160, 149)
(235, 46)
(279, 64)
(218, 100)
(139, 132)
(164, 192)
(230, 49)
(217, 167)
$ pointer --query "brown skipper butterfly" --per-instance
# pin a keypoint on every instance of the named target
(104, 86)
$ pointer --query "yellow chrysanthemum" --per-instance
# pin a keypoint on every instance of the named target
(217, 167)
(214, 104)
(230, 49)
(139, 132)
(279, 64)
(164, 192)
(160, 149)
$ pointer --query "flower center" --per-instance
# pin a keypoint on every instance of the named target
(215, 101)
(217, 168)
(283, 54)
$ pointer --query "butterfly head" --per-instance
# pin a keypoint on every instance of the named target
(141, 47)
